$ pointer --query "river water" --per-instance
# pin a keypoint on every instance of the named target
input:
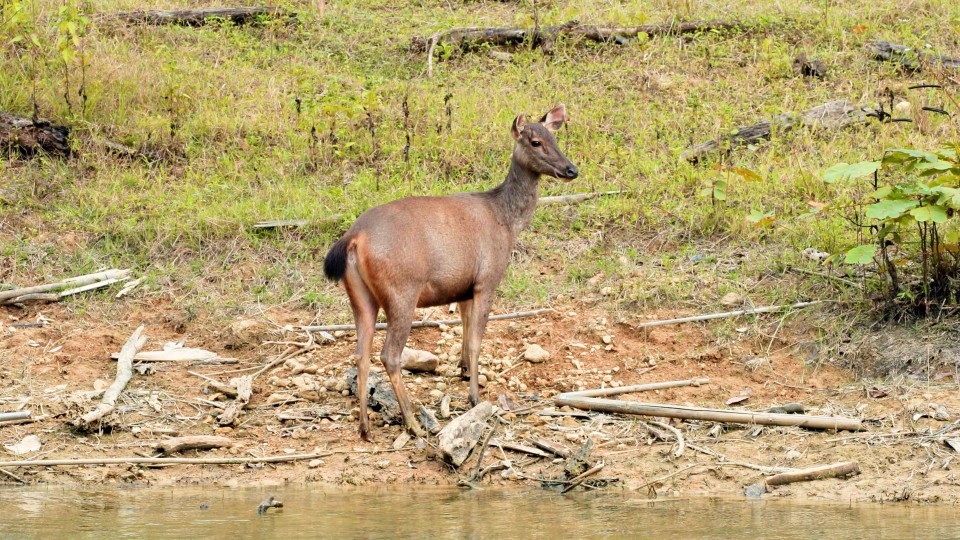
(62, 513)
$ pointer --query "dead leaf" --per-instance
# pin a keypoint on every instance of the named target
(875, 392)
(744, 395)
(860, 29)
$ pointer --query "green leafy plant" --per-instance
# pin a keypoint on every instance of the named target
(913, 221)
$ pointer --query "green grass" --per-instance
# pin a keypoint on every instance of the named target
(222, 101)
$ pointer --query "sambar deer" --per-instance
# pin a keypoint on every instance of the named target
(429, 251)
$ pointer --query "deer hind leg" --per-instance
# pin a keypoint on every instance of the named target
(399, 318)
(480, 310)
(466, 309)
(365, 309)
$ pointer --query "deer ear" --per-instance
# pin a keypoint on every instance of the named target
(554, 119)
(517, 128)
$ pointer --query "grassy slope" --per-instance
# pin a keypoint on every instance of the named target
(224, 100)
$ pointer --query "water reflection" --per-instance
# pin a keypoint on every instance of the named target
(446, 513)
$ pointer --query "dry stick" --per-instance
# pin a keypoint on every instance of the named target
(90, 287)
(483, 449)
(766, 309)
(713, 415)
(676, 433)
(814, 473)
(639, 388)
(550, 447)
(71, 282)
(424, 324)
(180, 461)
(577, 480)
(724, 460)
(19, 415)
(667, 477)
(124, 374)
(577, 197)
(11, 475)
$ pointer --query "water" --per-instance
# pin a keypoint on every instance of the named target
(446, 513)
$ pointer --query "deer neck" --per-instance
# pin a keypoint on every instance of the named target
(515, 200)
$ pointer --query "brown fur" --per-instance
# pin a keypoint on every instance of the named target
(427, 251)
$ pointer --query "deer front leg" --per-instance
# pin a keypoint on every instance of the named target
(481, 304)
(466, 309)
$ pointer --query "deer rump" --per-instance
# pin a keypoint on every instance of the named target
(436, 247)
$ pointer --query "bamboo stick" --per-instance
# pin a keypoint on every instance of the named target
(78, 281)
(424, 324)
(181, 461)
(766, 309)
(18, 415)
(814, 473)
(639, 388)
(713, 415)
(89, 287)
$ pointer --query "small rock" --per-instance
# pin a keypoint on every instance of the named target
(457, 331)
(421, 361)
(607, 339)
(383, 464)
(535, 353)
(792, 455)
(401, 441)
(445, 406)
(755, 491)
(482, 380)
(606, 291)
(731, 299)
(30, 443)
(314, 463)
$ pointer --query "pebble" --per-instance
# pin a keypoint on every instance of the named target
(482, 379)
(314, 463)
(607, 339)
(535, 353)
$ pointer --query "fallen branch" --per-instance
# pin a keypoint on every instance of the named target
(551, 447)
(11, 475)
(575, 198)
(90, 287)
(124, 374)
(667, 477)
(193, 442)
(711, 415)
(425, 324)
(726, 461)
(727, 314)
(269, 502)
(244, 391)
(676, 433)
(180, 461)
(521, 448)
(27, 137)
(909, 58)
(19, 415)
(198, 17)
(639, 388)
(815, 473)
(11, 296)
(577, 480)
(835, 115)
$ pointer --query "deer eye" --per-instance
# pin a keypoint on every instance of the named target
(536, 144)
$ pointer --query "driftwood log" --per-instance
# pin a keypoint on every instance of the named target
(28, 137)
(832, 115)
(124, 374)
(470, 37)
(815, 473)
(198, 17)
(193, 442)
(909, 58)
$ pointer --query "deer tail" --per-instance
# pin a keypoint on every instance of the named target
(335, 263)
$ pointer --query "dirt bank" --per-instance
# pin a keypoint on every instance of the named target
(52, 369)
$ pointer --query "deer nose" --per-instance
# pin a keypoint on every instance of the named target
(571, 172)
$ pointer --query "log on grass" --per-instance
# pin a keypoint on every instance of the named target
(193, 442)
(909, 58)
(815, 473)
(711, 415)
(198, 17)
(28, 137)
(124, 374)
(831, 115)
(471, 37)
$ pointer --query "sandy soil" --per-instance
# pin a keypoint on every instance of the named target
(51, 371)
